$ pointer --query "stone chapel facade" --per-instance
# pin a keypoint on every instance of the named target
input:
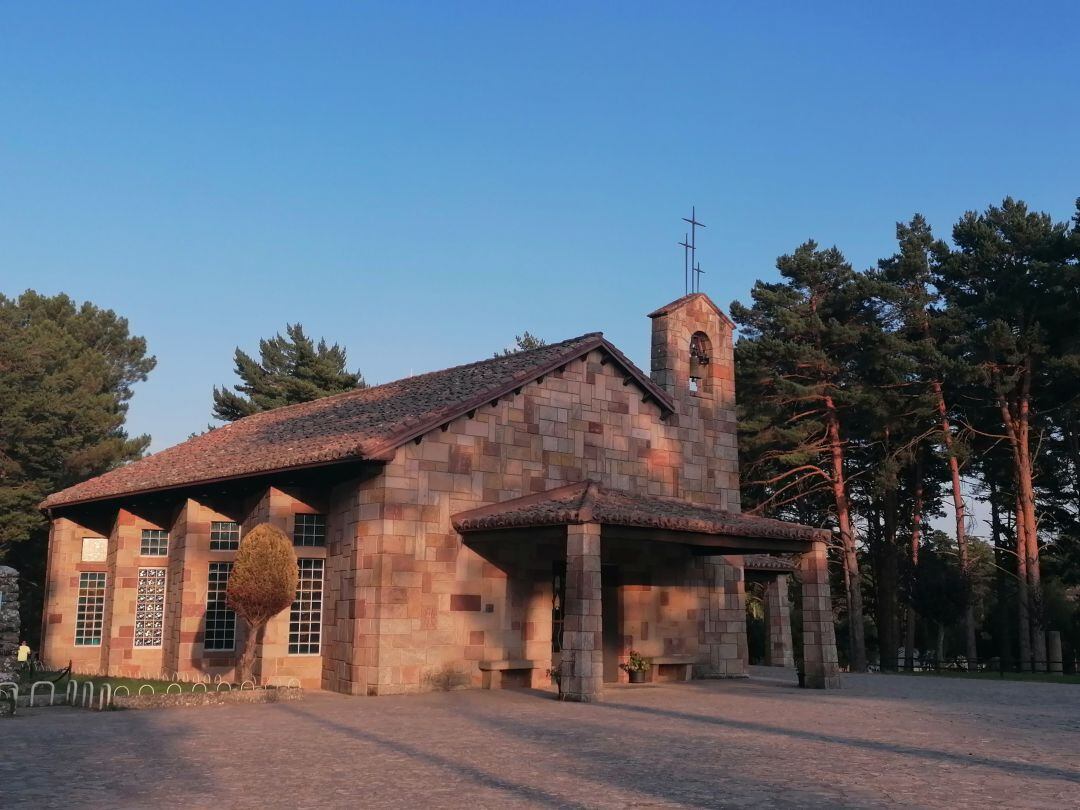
(489, 524)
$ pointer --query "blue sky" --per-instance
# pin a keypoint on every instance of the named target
(421, 181)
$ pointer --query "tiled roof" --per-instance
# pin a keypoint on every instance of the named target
(368, 423)
(588, 502)
(686, 299)
(767, 562)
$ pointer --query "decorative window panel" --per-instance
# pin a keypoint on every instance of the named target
(220, 631)
(155, 543)
(150, 607)
(95, 549)
(224, 535)
(90, 611)
(309, 530)
(305, 620)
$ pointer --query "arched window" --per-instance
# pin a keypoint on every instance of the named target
(700, 357)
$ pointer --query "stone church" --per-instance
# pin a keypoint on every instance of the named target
(507, 522)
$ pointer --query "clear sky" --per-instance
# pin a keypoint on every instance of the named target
(420, 181)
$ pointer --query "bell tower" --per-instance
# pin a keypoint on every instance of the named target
(692, 359)
(692, 351)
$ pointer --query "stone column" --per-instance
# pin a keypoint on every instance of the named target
(778, 651)
(1053, 651)
(583, 645)
(819, 636)
(723, 649)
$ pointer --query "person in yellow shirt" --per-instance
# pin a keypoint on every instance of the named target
(24, 655)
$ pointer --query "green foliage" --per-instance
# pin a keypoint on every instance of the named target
(636, 662)
(264, 575)
(979, 338)
(291, 368)
(66, 376)
(523, 343)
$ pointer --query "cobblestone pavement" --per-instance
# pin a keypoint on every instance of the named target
(881, 741)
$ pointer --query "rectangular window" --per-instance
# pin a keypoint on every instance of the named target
(309, 530)
(95, 549)
(150, 607)
(305, 621)
(224, 535)
(155, 543)
(220, 632)
(90, 612)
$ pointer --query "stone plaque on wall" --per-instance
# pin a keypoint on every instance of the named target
(95, 549)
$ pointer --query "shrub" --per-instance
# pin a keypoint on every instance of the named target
(261, 585)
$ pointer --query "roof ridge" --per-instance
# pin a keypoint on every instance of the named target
(421, 375)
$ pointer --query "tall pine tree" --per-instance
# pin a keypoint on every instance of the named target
(801, 358)
(291, 368)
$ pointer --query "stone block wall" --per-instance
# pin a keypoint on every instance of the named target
(9, 621)
(427, 598)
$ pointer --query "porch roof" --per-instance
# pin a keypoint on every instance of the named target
(645, 517)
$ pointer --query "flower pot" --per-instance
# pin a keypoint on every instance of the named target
(637, 676)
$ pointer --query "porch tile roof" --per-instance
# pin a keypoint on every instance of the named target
(589, 502)
(368, 423)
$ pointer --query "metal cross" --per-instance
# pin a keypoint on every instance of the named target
(686, 263)
(694, 225)
(698, 273)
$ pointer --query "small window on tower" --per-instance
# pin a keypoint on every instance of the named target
(699, 360)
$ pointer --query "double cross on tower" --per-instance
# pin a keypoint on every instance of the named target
(692, 271)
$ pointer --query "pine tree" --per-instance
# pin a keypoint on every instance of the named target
(292, 368)
(523, 343)
(66, 377)
(801, 359)
(907, 278)
(1015, 282)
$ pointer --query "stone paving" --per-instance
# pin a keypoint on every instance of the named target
(880, 741)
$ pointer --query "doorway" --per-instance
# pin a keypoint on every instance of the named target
(611, 621)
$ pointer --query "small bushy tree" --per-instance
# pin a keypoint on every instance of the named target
(261, 585)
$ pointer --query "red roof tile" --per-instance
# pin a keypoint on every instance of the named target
(588, 502)
(368, 423)
(686, 299)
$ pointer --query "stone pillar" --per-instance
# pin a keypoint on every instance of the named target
(778, 651)
(9, 622)
(819, 663)
(1053, 651)
(583, 645)
(723, 646)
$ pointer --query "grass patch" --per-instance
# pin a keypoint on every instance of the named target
(132, 684)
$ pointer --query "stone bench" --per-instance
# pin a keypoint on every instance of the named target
(509, 672)
(683, 665)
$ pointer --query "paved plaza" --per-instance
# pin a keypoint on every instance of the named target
(880, 741)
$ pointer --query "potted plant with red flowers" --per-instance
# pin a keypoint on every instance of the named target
(636, 666)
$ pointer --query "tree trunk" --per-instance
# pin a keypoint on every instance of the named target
(961, 528)
(888, 583)
(940, 651)
(1004, 648)
(246, 664)
(916, 539)
(847, 539)
(1022, 613)
(1031, 553)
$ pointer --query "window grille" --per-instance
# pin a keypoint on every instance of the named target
(155, 543)
(220, 630)
(150, 607)
(305, 620)
(224, 535)
(309, 530)
(90, 613)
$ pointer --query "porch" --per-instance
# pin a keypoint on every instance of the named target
(619, 571)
